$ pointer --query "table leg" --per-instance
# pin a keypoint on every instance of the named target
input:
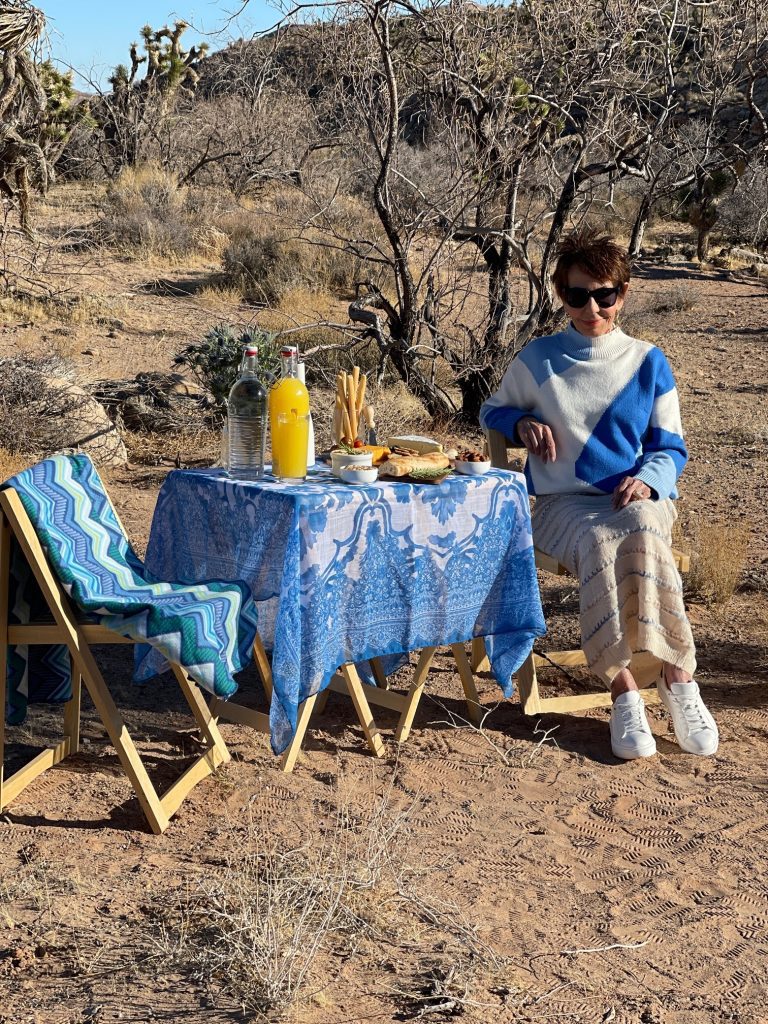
(468, 682)
(292, 751)
(479, 660)
(363, 709)
(378, 673)
(414, 694)
(263, 666)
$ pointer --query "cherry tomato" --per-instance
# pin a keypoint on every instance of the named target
(357, 443)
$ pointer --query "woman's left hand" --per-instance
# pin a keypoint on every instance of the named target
(630, 489)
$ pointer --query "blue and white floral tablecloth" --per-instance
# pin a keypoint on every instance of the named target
(342, 573)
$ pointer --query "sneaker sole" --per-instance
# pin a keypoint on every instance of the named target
(633, 753)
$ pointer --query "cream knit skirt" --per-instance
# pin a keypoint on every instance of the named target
(630, 592)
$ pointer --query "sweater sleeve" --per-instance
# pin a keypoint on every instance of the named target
(515, 398)
(664, 451)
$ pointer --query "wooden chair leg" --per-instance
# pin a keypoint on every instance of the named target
(5, 574)
(414, 694)
(363, 709)
(122, 742)
(292, 751)
(474, 711)
(72, 710)
(206, 721)
(528, 685)
(479, 658)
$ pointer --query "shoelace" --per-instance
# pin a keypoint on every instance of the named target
(692, 711)
(632, 717)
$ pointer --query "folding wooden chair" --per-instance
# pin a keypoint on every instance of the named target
(78, 637)
(644, 667)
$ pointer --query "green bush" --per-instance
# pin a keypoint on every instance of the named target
(215, 359)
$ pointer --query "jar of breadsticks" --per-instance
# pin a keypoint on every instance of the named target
(348, 418)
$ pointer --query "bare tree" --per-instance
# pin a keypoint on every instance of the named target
(538, 112)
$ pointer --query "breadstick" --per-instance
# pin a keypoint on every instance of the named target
(337, 421)
(341, 386)
(361, 396)
(351, 406)
(347, 435)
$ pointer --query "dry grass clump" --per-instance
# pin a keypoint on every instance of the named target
(264, 268)
(677, 297)
(719, 552)
(33, 410)
(145, 211)
(270, 925)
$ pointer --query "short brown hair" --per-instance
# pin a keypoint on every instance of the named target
(599, 255)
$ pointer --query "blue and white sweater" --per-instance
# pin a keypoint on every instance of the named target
(612, 406)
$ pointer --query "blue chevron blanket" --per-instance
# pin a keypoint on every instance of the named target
(208, 628)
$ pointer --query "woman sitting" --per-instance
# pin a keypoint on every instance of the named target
(598, 413)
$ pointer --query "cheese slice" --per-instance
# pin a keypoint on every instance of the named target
(421, 445)
(378, 452)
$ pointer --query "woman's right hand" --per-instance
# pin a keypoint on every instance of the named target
(537, 438)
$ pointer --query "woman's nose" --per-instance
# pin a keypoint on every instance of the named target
(592, 305)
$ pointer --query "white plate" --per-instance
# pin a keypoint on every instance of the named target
(471, 468)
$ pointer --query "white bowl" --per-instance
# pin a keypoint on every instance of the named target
(369, 475)
(341, 459)
(471, 468)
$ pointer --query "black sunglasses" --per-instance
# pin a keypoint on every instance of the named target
(578, 297)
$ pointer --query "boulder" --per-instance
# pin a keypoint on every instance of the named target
(748, 256)
(80, 423)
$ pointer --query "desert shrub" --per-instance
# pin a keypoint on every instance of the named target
(717, 560)
(32, 408)
(144, 209)
(677, 297)
(274, 921)
(215, 359)
(744, 214)
(264, 267)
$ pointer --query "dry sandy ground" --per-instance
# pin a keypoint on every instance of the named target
(530, 876)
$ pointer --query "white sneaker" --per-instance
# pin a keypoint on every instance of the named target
(695, 728)
(631, 735)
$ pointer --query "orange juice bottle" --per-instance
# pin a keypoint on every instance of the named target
(289, 419)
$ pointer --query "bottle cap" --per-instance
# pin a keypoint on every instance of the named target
(289, 350)
(251, 350)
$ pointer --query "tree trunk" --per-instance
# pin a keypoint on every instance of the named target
(480, 382)
(703, 236)
(436, 403)
(638, 228)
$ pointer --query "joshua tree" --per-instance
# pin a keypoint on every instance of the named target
(21, 159)
(136, 108)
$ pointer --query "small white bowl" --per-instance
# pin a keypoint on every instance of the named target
(369, 475)
(471, 468)
(341, 459)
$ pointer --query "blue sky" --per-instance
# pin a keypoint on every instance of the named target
(94, 36)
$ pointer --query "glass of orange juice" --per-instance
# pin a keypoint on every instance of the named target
(290, 438)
